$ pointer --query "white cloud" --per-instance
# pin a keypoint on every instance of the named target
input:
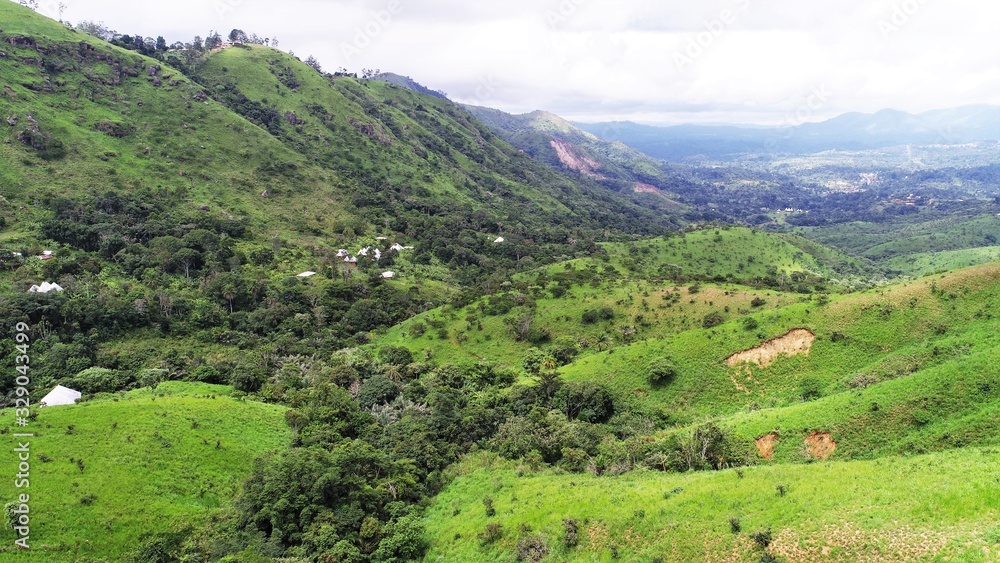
(615, 59)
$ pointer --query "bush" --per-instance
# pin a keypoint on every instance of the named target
(490, 510)
(532, 548)
(810, 388)
(152, 377)
(100, 380)
(734, 525)
(491, 533)
(377, 390)
(750, 323)
(660, 371)
(758, 302)
(713, 319)
(762, 537)
(571, 537)
(205, 374)
(396, 355)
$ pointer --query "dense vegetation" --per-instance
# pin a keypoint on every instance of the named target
(323, 318)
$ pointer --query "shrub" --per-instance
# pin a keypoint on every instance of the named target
(781, 488)
(490, 510)
(810, 388)
(205, 374)
(571, 537)
(713, 319)
(758, 302)
(491, 533)
(660, 371)
(762, 537)
(750, 323)
(532, 548)
(100, 380)
(734, 525)
(396, 355)
(377, 390)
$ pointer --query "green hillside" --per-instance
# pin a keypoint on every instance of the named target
(634, 290)
(944, 507)
(383, 327)
(117, 471)
(860, 340)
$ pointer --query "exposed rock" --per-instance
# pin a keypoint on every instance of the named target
(12, 120)
(153, 69)
(156, 81)
(22, 41)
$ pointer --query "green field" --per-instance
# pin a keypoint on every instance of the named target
(936, 507)
(110, 472)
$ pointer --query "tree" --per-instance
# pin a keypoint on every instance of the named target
(237, 36)
(660, 371)
(213, 41)
(161, 44)
(311, 61)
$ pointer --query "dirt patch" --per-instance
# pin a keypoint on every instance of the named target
(641, 188)
(765, 445)
(849, 542)
(795, 342)
(570, 156)
(820, 445)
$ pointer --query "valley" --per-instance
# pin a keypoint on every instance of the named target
(315, 317)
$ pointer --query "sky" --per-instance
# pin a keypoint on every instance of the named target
(767, 62)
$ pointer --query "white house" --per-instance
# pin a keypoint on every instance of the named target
(45, 288)
(60, 396)
(342, 253)
(306, 274)
(397, 247)
(388, 275)
(498, 240)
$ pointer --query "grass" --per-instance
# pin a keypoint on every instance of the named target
(842, 510)
(153, 461)
(883, 334)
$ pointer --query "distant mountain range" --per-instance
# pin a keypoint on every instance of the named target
(851, 131)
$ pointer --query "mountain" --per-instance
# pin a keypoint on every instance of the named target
(566, 147)
(852, 131)
(318, 318)
(408, 83)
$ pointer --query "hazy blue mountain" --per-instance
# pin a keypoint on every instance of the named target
(850, 131)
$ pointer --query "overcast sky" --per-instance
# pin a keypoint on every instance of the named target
(651, 61)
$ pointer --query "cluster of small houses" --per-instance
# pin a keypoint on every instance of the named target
(374, 254)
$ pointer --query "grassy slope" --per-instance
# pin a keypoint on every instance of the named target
(149, 467)
(736, 253)
(916, 248)
(228, 174)
(425, 145)
(845, 511)
(887, 334)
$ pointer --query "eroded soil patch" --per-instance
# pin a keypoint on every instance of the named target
(795, 342)
(765, 445)
(820, 445)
